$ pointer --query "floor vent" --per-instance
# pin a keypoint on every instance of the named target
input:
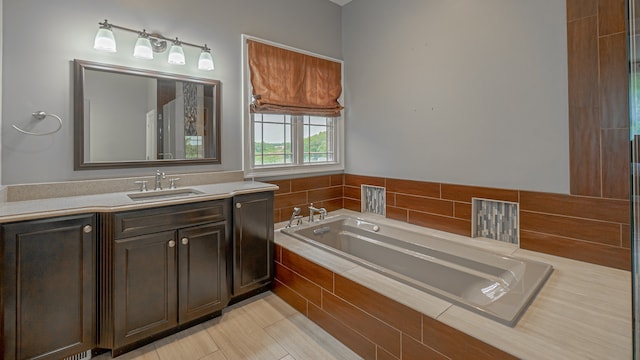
(373, 200)
(85, 355)
(495, 219)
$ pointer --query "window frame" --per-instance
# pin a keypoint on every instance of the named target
(298, 166)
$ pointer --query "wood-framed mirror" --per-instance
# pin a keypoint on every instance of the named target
(126, 117)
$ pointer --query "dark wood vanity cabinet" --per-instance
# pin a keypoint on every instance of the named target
(169, 268)
(253, 247)
(48, 287)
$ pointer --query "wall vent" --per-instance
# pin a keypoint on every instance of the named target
(85, 355)
(497, 220)
(373, 200)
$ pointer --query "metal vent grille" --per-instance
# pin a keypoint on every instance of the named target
(85, 355)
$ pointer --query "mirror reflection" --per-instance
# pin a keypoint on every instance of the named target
(129, 117)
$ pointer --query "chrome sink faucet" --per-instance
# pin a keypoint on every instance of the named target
(321, 211)
(159, 177)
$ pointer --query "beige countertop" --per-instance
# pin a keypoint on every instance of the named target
(582, 312)
(119, 201)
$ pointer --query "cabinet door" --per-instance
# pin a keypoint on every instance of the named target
(203, 285)
(48, 287)
(253, 241)
(145, 286)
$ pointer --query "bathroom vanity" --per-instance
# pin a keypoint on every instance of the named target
(122, 272)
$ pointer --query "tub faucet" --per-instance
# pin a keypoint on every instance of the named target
(295, 217)
(321, 211)
(159, 177)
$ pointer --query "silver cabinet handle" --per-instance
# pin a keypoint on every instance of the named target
(172, 243)
(87, 229)
(238, 205)
(185, 240)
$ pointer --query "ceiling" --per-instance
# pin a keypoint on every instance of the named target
(340, 2)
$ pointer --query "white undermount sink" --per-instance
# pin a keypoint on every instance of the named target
(163, 194)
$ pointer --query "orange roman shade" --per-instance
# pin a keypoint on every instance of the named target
(289, 82)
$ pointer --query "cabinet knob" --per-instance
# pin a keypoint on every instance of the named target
(172, 243)
(238, 205)
(185, 240)
(87, 229)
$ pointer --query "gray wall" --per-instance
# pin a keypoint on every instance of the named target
(458, 91)
(43, 37)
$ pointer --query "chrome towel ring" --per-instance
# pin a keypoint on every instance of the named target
(40, 115)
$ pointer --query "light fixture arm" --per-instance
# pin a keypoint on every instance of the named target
(155, 36)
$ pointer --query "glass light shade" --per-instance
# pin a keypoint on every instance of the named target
(143, 49)
(205, 62)
(104, 40)
(176, 55)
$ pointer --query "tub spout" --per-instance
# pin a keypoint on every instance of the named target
(295, 217)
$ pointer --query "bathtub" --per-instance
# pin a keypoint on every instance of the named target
(496, 286)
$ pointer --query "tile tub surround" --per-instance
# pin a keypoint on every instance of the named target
(590, 229)
(583, 311)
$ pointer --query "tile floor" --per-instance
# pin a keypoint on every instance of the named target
(263, 327)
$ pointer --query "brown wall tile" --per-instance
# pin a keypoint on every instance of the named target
(278, 253)
(577, 9)
(462, 210)
(596, 231)
(353, 205)
(352, 192)
(452, 225)
(582, 47)
(373, 329)
(393, 313)
(457, 345)
(615, 163)
(289, 200)
(308, 183)
(308, 269)
(626, 236)
(390, 199)
(434, 206)
(332, 205)
(411, 187)
(414, 350)
(382, 354)
(325, 194)
(464, 193)
(611, 16)
(397, 214)
(357, 180)
(576, 206)
(302, 286)
(614, 86)
(584, 150)
(337, 179)
(611, 256)
(290, 297)
(285, 185)
(345, 335)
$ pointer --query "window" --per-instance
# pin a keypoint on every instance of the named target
(273, 140)
(279, 140)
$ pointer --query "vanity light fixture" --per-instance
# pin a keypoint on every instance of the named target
(105, 41)
(176, 54)
(205, 62)
(143, 48)
(148, 44)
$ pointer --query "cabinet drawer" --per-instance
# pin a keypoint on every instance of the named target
(138, 222)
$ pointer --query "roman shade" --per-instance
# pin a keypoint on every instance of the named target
(289, 82)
